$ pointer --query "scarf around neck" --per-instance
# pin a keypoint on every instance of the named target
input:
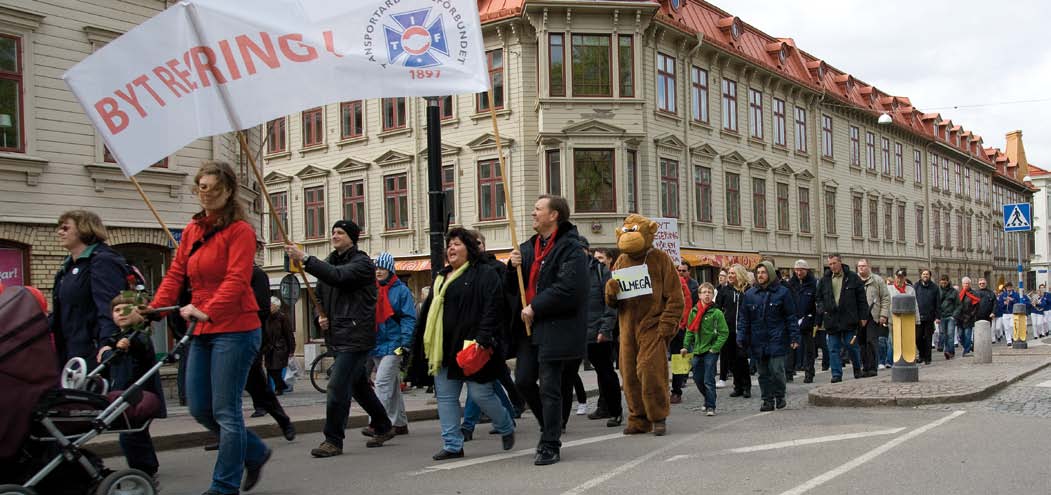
(901, 290)
(434, 330)
(383, 308)
(967, 292)
(538, 260)
(701, 309)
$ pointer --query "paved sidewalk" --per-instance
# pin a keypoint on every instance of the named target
(959, 380)
(306, 408)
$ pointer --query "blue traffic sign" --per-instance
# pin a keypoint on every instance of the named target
(1018, 218)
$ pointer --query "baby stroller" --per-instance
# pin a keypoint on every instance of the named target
(45, 429)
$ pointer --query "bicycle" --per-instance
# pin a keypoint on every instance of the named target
(320, 368)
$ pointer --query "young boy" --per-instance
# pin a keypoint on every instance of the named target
(706, 332)
(137, 358)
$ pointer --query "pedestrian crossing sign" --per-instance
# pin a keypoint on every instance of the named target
(1018, 218)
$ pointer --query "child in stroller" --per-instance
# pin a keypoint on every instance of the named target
(50, 456)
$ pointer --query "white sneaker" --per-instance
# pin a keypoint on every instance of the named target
(709, 412)
(720, 384)
(582, 409)
(880, 367)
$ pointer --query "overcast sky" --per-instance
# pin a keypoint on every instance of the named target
(940, 54)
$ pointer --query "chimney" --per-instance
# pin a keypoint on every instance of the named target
(1016, 153)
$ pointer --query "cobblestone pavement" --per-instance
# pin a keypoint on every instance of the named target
(1030, 397)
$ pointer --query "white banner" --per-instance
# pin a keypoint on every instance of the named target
(206, 67)
(667, 238)
(634, 281)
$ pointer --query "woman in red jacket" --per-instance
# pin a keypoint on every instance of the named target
(214, 261)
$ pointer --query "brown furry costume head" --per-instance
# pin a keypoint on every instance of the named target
(636, 236)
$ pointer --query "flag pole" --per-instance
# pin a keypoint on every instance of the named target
(280, 226)
(507, 200)
(156, 215)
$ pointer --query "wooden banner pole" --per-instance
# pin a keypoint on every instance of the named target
(507, 201)
(156, 215)
(280, 226)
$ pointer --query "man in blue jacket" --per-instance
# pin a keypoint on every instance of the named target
(1004, 308)
(766, 321)
(395, 324)
(803, 287)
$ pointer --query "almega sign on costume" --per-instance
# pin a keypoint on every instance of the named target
(206, 67)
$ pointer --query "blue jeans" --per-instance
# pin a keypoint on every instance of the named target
(948, 337)
(447, 391)
(472, 413)
(967, 338)
(704, 376)
(836, 342)
(216, 372)
(886, 350)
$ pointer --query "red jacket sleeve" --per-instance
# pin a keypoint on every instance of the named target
(238, 278)
(172, 284)
(688, 302)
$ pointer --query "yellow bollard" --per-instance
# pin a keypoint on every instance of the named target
(1021, 332)
(903, 308)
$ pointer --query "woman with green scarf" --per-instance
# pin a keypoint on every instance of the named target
(464, 306)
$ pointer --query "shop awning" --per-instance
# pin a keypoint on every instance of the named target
(720, 259)
(424, 264)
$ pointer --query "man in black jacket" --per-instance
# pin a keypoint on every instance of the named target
(843, 309)
(927, 294)
(346, 290)
(803, 287)
(554, 274)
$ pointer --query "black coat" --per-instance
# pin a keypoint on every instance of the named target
(602, 319)
(472, 312)
(804, 294)
(560, 306)
(927, 295)
(347, 290)
(128, 366)
(280, 339)
(728, 300)
(986, 306)
(84, 287)
(852, 308)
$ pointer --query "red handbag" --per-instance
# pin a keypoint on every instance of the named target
(472, 358)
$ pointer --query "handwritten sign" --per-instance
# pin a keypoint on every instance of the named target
(634, 281)
(667, 238)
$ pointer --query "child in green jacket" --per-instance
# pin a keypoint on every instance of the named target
(706, 332)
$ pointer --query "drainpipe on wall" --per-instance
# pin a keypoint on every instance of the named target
(686, 139)
(820, 188)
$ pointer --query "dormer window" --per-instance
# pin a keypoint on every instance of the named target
(735, 29)
(675, 5)
(782, 54)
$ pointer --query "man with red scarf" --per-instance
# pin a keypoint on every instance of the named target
(395, 325)
(555, 276)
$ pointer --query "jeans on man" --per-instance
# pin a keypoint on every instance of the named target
(215, 379)
(886, 349)
(771, 377)
(472, 412)
(447, 392)
(948, 335)
(836, 343)
(967, 339)
(601, 357)
(388, 388)
(704, 376)
(348, 379)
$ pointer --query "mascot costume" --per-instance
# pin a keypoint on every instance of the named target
(647, 323)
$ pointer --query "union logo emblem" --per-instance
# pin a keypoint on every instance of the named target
(413, 42)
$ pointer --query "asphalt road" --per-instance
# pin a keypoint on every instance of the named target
(1000, 445)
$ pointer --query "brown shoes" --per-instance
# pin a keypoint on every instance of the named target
(326, 449)
(635, 429)
(401, 430)
(660, 428)
(378, 439)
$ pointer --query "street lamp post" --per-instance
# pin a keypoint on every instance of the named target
(434, 190)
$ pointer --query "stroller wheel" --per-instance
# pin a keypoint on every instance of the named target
(127, 482)
(16, 490)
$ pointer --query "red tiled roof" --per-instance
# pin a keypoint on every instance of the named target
(717, 25)
(1035, 171)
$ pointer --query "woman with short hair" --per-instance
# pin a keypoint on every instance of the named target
(460, 308)
(89, 278)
